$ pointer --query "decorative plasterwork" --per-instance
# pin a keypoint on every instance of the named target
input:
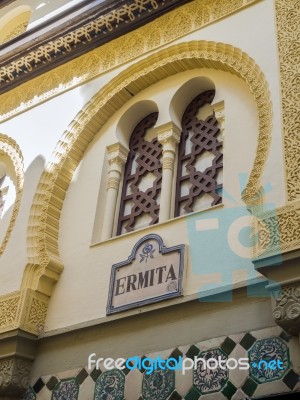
(286, 311)
(9, 148)
(288, 33)
(18, 30)
(153, 35)
(117, 154)
(44, 266)
(277, 231)
(25, 309)
(14, 376)
(64, 42)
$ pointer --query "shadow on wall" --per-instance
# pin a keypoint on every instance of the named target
(19, 232)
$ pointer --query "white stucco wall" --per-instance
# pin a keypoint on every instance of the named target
(81, 293)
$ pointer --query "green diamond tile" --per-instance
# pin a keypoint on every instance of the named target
(229, 390)
(193, 394)
(249, 387)
(175, 396)
(38, 386)
(192, 352)
(95, 374)
(228, 345)
(176, 354)
(291, 379)
(80, 378)
(52, 383)
(247, 341)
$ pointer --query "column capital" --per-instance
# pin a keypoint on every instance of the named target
(219, 111)
(286, 308)
(168, 133)
(117, 154)
(17, 353)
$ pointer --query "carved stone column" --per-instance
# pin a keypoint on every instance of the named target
(220, 115)
(117, 156)
(169, 137)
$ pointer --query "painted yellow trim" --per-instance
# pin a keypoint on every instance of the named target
(154, 35)
(44, 265)
(10, 148)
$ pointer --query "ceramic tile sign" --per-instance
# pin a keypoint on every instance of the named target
(151, 273)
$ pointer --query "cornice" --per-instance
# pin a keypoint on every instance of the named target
(154, 35)
(5, 3)
(37, 51)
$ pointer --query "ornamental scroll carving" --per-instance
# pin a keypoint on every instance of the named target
(286, 311)
(14, 376)
(288, 34)
(144, 160)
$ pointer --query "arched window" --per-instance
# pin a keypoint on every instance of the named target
(155, 187)
(200, 160)
(139, 205)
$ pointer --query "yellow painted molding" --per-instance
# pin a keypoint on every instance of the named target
(44, 266)
(24, 309)
(169, 27)
(288, 35)
(277, 231)
(14, 23)
(9, 148)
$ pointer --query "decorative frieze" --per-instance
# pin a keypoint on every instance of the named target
(277, 231)
(189, 18)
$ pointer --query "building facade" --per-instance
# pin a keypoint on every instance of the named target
(149, 199)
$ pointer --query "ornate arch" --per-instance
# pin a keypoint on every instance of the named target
(9, 148)
(44, 265)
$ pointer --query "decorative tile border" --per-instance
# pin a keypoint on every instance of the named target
(110, 384)
(158, 385)
(214, 381)
(267, 350)
(66, 389)
(30, 394)
(162, 385)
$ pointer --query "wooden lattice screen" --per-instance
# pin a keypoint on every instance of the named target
(144, 158)
(203, 138)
